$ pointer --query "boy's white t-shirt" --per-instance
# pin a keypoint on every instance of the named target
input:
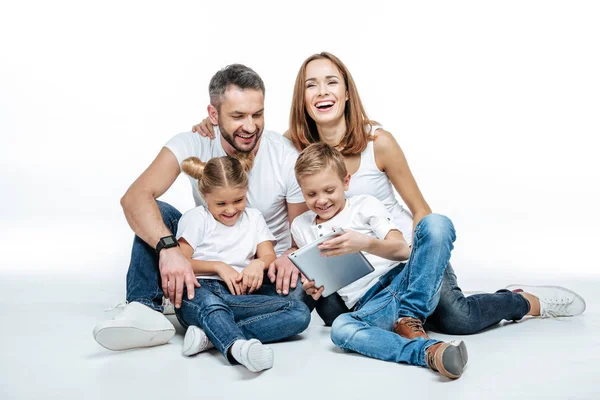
(363, 214)
(272, 182)
(212, 241)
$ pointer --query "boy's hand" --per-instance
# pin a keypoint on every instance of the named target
(251, 277)
(347, 243)
(309, 288)
(229, 276)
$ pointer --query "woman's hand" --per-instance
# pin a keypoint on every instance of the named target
(311, 290)
(251, 277)
(205, 128)
(347, 243)
(229, 276)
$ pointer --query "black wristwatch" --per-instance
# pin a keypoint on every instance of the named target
(166, 243)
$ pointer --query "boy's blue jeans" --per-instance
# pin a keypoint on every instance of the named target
(408, 290)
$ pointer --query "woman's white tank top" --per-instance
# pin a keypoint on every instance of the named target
(370, 180)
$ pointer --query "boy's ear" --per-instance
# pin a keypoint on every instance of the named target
(347, 181)
(213, 114)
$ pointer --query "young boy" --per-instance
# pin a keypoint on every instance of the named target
(390, 304)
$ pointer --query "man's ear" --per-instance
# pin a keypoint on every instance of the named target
(213, 114)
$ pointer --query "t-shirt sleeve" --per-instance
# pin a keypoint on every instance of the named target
(296, 231)
(184, 145)
(191, 227)
(263, 233)
(374, 214)
(293, 193)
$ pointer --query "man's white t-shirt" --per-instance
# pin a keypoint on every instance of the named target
(363, 214)
(212, 241)
(272, 183)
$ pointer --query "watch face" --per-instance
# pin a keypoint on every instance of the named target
(168, 241)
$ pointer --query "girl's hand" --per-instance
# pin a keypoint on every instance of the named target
(251, 277)
(205, 128)
(347, 243)
(229, 276)
(310, 289)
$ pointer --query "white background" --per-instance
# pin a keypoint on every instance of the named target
(496, 105)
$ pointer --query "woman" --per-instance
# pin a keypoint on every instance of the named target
(326, 107)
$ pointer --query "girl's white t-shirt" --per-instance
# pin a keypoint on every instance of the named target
(212, 241)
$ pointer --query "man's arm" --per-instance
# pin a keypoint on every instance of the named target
(144, 218)
(282, 271)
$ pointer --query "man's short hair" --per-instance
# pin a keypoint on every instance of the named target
(234, 74)
(316, 158)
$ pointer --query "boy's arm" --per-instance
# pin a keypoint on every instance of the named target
(393, 247)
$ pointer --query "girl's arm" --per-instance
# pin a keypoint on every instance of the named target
(251, 277)
(391, 160)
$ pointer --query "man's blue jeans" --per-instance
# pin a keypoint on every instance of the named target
(143, 276)
(225, 317)
(408, 290)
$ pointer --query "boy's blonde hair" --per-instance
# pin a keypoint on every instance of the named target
(316, 158)
(219, 172)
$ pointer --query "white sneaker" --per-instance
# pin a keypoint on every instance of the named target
(137, 326)
(195, 342)
(555, 301)
(255, 356)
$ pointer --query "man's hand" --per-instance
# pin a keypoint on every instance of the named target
(175, 271)
(229, 276)
(285, 273)
(311, 290)
(205, 128)
(347, 243)
(251, 277)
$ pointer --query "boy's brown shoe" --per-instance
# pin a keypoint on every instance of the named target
(449, 359)
(410, 328)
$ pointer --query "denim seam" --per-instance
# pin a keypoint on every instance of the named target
(263, 316)
(199, 312)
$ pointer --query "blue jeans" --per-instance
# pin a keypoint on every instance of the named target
(143, 276)
(408, 290)
(225, 317)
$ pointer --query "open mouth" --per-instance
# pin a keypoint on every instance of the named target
(324, 105)
(246, 137)
(324, 208)
(227, 216)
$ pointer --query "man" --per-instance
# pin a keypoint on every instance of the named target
(158, 268)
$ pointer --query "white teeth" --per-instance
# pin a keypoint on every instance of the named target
(324, 104)
(245, 136)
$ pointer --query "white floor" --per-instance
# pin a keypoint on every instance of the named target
(47, 352)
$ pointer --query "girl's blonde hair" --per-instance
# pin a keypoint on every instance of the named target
(303, 129)
(316, 158)
(219, 172)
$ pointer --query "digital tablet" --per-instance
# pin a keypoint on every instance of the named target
(333, 273)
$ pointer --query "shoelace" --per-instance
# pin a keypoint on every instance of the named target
(554, 308)
(415, 325)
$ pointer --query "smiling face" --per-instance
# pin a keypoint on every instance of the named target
(226, 204)
(240, 118)
(325, 92)
(324, 192)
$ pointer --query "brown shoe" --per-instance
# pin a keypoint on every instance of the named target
(449, 359)
(410, 328)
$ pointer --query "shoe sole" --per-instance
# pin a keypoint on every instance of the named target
(125, 338)
(513, 287)
(265, 363)
(455, 357)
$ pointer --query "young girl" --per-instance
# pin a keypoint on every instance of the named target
(230, 246)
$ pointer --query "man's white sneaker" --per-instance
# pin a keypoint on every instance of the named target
(195, 342)
(555, 301)
(137, 326)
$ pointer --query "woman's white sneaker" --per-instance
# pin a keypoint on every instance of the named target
(195, 341)
(555, 301)
(136, 326)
